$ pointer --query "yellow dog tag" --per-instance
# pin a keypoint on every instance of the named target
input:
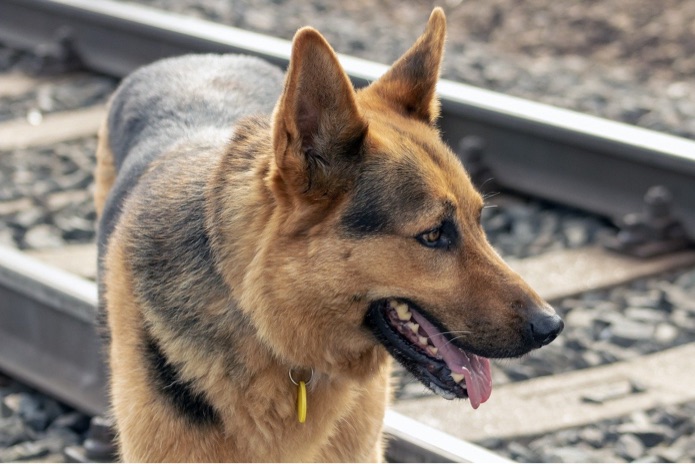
(301, 402)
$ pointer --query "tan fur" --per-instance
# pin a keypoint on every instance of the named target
(299, 284)
(158, 435)
(105, 173)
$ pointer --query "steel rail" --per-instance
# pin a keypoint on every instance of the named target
(47, 332)
(602, 166)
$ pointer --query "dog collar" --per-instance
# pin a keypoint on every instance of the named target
(301, 395)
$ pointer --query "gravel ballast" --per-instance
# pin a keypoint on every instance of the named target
(626, 60)
(34, 427)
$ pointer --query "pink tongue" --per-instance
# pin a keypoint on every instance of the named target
(475, 369)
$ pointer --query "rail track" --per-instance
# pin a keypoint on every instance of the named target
(47, 330)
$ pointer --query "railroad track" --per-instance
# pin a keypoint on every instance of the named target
(47, 303)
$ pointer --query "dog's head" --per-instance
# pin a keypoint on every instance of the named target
(376, 239)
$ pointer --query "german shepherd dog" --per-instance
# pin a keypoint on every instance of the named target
(266, 241)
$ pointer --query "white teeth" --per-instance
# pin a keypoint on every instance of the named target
(433, 350)
(457, 377)
(422, 340)
(403, 312)
(413, 326)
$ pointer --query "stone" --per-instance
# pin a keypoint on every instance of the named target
(491, 443)
(604, 393)
(59, 200)
(74, 228)
(76, 180)
(43, 236)
(630, 332)
(648, 299)
(648, 458)
(30, 450)
(683, 319)
(669, 454)
(611, 318)
(639, 419)
(524, 232)
(670, 416)
(31, 411)
(610, 352)
(13, 431)
(666, 333)
(15, 206)
(13, 401)
(678, 297)
(591, 358)
(24, 451)
(568, 454)
(75, 421)
(5, 411)
(629, 447)
(575, 233)
(29, 217)
(521, 453)
(686, 281)
(517, 372)
(569, 436)
(679, 451)
(580, 318)
(6, 237)
(497, 221)
(52, 408)
(37, 411)
(647, 315)
(593, 436)
(649, 435)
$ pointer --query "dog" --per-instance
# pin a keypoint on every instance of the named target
(268, 243)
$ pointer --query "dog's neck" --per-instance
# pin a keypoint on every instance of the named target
(246, 219)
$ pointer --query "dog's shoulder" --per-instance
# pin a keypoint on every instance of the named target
(186, 104)
(163, 102)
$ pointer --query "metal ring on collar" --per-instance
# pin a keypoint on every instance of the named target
(311, 377)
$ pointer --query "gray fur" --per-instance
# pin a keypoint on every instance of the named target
(177, 99)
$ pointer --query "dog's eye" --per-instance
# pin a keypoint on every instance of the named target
(432, 237)
(435, 238)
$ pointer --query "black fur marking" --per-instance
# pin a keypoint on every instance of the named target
(366, 221)
(181, 395)
(368, 212)
(174, 271)
(384, 195)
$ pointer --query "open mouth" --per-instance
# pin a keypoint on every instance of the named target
(428, 353)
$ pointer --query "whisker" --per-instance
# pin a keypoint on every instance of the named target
(460, 332)
(485, 182)
(452, 339)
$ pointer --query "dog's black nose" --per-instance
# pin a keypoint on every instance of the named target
(545, 327)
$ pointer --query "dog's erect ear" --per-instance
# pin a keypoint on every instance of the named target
(410, 84)
(317, 128)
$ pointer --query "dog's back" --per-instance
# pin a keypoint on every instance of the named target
(190, 99)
